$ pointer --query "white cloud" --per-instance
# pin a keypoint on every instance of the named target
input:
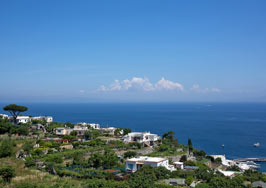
(168, 85)
(196, 88)
(142, 84)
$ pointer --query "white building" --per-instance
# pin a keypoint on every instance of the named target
(3, 116)
(23, 119)
(62, 130)
(80, 129)
(179, 165)
(134, 164)
(228, 173)
(141, 137)
(48, 119)
(225, 162)
(109, 130)
(92, 125)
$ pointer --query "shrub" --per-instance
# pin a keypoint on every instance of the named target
(189, 180)
(130, 154)
(6, 148)
(25, 185)
(29, 162)
(7, 173)
(183, 158)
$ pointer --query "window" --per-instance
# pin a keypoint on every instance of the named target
(130, 166)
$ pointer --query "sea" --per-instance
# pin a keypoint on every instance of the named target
(210, 125)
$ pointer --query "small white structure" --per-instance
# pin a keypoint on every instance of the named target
(80, 129)
(109, 130)
(92, 125)
(63, 130)
(134, 164)
(179, 165)
(141, 137)
(3, 116)
(23, 119)
(228, 173)
(48, 119)
(225, 162)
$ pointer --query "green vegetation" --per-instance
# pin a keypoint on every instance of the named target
(15, 110)
(30, 161)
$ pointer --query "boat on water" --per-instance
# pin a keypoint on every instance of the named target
(222, 145)
(257, 144)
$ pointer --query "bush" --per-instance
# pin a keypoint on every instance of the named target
(25, 185)
(27, 146)
(183, 158)
(189, 163)
(6, 148)
(143, 178)
(54, 158)
(7, 173)
(189, 180)
(130, 154)
(29, 162)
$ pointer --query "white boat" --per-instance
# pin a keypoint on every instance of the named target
(257, 144)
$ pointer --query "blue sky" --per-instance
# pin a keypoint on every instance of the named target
(112, 51)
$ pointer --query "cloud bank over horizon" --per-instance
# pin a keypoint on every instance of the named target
(144, 84)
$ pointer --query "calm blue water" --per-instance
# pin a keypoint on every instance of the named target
(236, 125)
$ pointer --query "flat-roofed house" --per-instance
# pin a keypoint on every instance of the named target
(63, 130)
(134, 164)
(48, 119)
(141, 137)
(92, 125)
(80, 130)
(23, 119)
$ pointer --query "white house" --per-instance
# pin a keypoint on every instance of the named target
(3, 116)
(63, 130)
(225, 162)
(92, 125)
(109, 130)
(80, 129)
(48, 119)
(141, 137)
(134, 164)
(179, 165)
(228, 173)
(23, 119)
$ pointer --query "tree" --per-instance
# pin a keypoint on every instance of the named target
(143, 178)
(22, 130)
(161, 173)
(110, 160)
(91, 134)
(6, 148)
(118, 131)
(27, 146)
(15, 110)
(126, 131)
(189, 180)
(170, 141)
(190, 146)
(74, 133)
(7, 173)
(183, 158)
(96, 160)
(5, 126)
(130, 154)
